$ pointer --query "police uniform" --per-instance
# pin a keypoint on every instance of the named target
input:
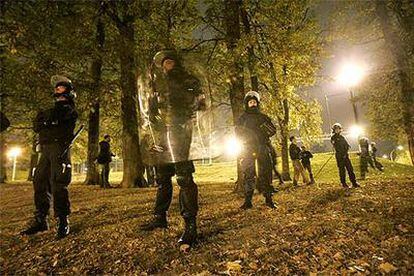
(364, 156)
(342, 159)
(53, 172)
(172, 110)
(254, 130)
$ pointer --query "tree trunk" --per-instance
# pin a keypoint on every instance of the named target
(92, 174)
(236, 91)
(284, 123)
(3, 148)
(395, 46)
(133, 167)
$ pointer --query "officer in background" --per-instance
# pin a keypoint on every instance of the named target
(254, 130)
(342, 147)
(364, 156)
(305, 157)
(53, 173)
(175, 99)
(374, 150)
(104, 159)
(295, 155)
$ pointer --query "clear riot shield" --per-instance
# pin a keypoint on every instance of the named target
(193, 139)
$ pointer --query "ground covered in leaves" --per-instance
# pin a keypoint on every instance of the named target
(316, 229)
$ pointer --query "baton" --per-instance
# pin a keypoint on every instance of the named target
(73, 140)
(317, 174)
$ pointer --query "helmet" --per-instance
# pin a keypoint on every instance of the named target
(163, 55)
(336, 125)
(251, 95)
(58, 80)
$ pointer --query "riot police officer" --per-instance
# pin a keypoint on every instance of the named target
(176, 98)
(254, 130)
(52, 176)
(343, 162)
(364, 156)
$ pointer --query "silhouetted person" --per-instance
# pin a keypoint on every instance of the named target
(342, 147)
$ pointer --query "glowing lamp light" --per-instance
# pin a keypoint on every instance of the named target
(355, 131)
(400, 147)
(351, 74)
(233, 147)
(14, 152)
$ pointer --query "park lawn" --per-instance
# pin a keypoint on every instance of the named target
(316, 229)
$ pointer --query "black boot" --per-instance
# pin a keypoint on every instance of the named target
(295, 183)
(247, 202)
(269, 201)
(355, 185)
(189, 236)
(63, 227)
(39, 224)
(246, 205)
(312, 180)
(158, 221)
(344, 185)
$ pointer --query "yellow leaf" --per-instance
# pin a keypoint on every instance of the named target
(233, 266)
(387, 267)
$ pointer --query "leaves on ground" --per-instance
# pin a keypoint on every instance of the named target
(313, 231)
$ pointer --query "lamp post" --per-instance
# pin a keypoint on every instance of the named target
(350, 75)
(14, 153)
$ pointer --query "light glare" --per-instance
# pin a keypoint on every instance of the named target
(355, 131)
(351, 74)
(233, 146)
(14, 152)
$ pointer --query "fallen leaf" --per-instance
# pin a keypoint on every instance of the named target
(233, 266)
(387, 267)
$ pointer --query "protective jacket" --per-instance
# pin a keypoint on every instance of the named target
(340, 144)
(254, 129)
(56, 125)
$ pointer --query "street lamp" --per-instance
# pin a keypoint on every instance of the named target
(350, 75)
(13, 153)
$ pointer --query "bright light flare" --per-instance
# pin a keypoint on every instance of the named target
(14, 152)
(355, 131)
(351, 74)
(400, 147)
(385, 156)
(233, 146)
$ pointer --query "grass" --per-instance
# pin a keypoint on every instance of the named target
(323, 230)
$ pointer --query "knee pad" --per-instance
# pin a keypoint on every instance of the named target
(185, 181)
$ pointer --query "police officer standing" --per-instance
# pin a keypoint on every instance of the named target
(104, 159)
(254, 129)
(53, 174)
(176, 98)
(374, 150)
(364, 156)
(343, 162)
